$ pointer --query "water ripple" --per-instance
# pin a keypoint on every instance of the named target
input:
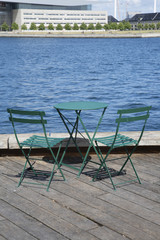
(38, 73)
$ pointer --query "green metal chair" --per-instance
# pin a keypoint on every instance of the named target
(35, 141)
(126, 116)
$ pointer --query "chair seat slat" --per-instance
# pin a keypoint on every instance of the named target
(40, 141)
(121, 140)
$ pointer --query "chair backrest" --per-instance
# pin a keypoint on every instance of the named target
(132, 115)
(26, 117)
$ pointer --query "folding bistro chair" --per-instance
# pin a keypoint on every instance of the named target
(35, 141)
(126, 116)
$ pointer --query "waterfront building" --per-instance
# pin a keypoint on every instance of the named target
(52, 12)
(112, 19)
(144, 18)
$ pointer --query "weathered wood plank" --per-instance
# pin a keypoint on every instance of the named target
(150, 158)
(158, 182)
(54, 194)
(81, 195)
(132, 207)
(38, 212)
(2, 238)
(58, 209)
(147, 168)
(146, 176)
(137, 222)
(80, 202)
(140, 190)
(104, 233)
(1, 218)
(137, 199)
(10, 231)
(27, 223)
(152, 187)
(83, 210)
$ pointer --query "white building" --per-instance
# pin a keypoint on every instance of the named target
(52, 12)
(27, 16)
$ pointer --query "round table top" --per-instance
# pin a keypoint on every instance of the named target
(80, 105)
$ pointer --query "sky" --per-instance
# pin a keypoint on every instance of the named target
(138, 6)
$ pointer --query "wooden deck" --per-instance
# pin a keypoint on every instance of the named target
(79, 208)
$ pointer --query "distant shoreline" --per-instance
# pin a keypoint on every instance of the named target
(82, 34)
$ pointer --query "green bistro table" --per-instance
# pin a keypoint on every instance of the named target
(77, 108)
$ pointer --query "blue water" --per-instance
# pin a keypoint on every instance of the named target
(36, 73)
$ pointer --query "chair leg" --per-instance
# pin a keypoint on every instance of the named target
(22, 174)
(56, 163)
(110, 177)
(27, 161)
(129, 159)
(59, 164)
(107, 170)
(51, 177)
(27, 158)
(100, 157)
(135, 171)
(119, 172)
(103, 164)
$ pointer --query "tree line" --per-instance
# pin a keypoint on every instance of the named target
(124, 25)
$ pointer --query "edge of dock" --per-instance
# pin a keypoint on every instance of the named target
(150, 142)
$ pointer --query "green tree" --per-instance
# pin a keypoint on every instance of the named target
(5, 27)
(33, 26)
(146, 26)
(158, 25)
(41, 27)
(50, 26)
(98, 26)
(91, 26)
(23, 27)
(140, 26)
(15, 26)
(152, 26)
(113, 25)
(106, 26)
(59, 27)
(121, 26)
(127, 25)
(83, 26)
(67, 26)
(75, 26)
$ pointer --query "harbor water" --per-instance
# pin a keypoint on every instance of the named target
(37, 73)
